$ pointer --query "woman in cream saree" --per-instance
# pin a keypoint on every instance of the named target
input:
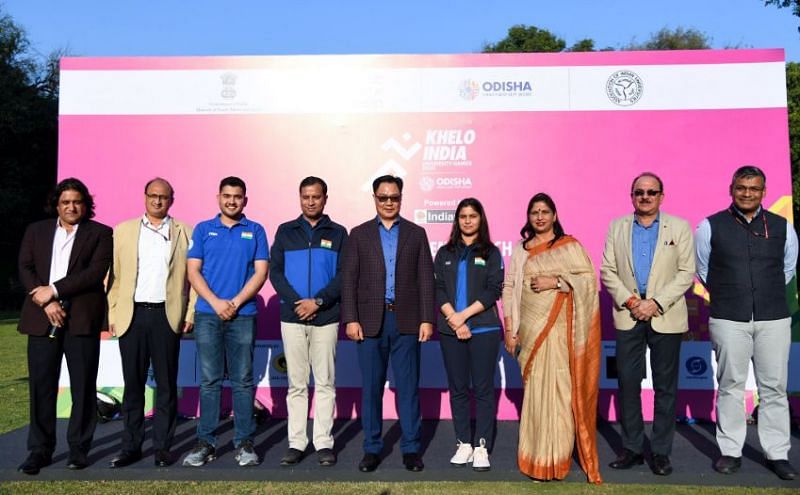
(553, 322)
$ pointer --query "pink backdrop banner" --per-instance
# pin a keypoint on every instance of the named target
(497, 127)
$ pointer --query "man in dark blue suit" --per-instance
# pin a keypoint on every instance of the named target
(388, 306)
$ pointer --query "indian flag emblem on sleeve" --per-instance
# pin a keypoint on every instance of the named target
(326, 244)
(480, 261)
(247, 235)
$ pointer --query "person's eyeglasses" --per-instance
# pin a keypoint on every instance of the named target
(751, 190)
(649, 192)
(384, 199)
(160, 197)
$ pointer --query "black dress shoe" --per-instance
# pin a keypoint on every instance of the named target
(35, 462)
(727, 464)
(125, 458)
(77, 460)
(292, 457)
(783, 469)
(627, 460)
(661, 465)
(326, 457)
(163, 458)
(413, 462)
(369, 463)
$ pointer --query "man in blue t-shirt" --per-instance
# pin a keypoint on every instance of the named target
(227, 264)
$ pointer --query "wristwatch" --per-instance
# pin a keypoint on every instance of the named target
(318, 301)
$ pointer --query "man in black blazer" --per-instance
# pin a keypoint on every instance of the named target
(388, 307)
(62, 265)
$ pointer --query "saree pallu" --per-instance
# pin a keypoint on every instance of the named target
(559, 335)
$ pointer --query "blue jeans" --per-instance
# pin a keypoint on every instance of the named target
(374, 354)
(220, 342)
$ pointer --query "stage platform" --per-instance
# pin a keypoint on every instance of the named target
(693, 453)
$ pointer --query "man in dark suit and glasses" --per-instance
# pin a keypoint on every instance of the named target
(388, 307)
(62, 265)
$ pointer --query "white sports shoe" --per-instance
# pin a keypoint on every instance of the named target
(463, 455)
(480, 457)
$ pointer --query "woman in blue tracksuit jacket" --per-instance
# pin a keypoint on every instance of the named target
(469, 280)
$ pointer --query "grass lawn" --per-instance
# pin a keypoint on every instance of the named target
(13, 377)
(14, 414)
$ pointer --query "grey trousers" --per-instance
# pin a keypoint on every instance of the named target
(767, 344)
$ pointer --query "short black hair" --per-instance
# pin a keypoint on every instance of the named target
(748, 171)
(648, 174)
(311, 180)
(71, 184)
(233, 182)
(160, 179)
(391, 179)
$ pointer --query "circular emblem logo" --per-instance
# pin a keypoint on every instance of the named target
(279, 363)
(696, 366)
(427, 183)
(624, 88)
(469, 89)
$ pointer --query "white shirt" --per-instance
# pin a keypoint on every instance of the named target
(153, 262)
(62, 250)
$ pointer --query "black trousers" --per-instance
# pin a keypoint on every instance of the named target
(149, 338)
(664, 361)
(44, 367)
(472, 361)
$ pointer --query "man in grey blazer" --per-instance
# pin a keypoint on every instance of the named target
(388, 307)
(648, 265)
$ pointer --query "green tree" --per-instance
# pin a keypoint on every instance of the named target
(584, 45)
(794, 4)
(677, 39)
(28, 144)
(793, 107)
(522, 38)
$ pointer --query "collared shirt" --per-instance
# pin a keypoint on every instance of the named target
(643, 247)
(702, 242)
(389, 238)
(62, 250)
(153, 261)
(229, 255)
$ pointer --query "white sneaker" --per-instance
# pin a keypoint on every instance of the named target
(463, 455)
(480, 457)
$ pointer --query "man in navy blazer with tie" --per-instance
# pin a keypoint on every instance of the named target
(388, 306)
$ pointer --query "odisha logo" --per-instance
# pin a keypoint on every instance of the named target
(426, 183)
(624, 88)
(696, 366)
(468, 89)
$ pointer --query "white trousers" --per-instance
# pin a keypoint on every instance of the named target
(767, 344)
(307, 348)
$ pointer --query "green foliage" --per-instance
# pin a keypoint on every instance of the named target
(793, 108)
(584, 45)
(28, 144)
(794, 4)
(522, 38)
(673, 39)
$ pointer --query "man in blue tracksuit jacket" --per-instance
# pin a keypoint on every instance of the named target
(305, 274)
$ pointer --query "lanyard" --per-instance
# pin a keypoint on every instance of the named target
(765, 235)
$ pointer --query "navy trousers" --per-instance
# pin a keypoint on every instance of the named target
(374, 354)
